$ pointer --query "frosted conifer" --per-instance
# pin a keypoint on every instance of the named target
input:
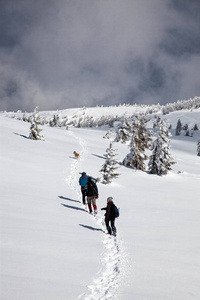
(55, 121)
(156, 122)
(123, 133)
(178, 127)
(195, 127)
(161, 160)
(140, 141)
(110, 165)
(34, 130)
(186, 127)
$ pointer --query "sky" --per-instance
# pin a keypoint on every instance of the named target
(64, 53)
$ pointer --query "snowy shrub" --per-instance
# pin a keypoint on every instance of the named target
(195, 127)
(187, 132)
(34, 130)
(185, 127)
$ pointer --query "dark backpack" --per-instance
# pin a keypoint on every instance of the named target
(115, 211)
(92, 189)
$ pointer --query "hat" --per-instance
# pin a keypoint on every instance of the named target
(83, 173)
(110, 199)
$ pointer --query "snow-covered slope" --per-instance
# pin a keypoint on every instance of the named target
(51, 248)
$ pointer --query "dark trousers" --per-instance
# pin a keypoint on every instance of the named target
(83, 191)
(111, 229)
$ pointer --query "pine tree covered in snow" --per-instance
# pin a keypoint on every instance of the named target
(156, 122)
(55, 121)
(198, 147)
(123, 131)
(186, 127)
(140, 141)
(109, 167)
(34, 130)
(187, 133)
(161, 160)
(195, 127)
(178, 127)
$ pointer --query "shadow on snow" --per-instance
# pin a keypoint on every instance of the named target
(102, 157)
(74, 207)
(68, 199)
(24, 136)
(91, 228)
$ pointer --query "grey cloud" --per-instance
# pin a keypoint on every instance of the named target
(188, 8)
(180, 42)
(59, 54)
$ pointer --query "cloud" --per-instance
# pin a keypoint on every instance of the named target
(59, 54)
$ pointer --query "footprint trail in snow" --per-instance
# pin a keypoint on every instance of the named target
(107, 280)
(72, 178)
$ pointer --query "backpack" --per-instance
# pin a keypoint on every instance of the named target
(116, 211)
(92, 189)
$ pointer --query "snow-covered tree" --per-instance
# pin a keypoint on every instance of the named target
(55, 121)
(24, 118)
(123, 131)
(187, 133)
(195, 127)
(108, 169)
(186, 127)
(140, 141)
(160, 161)
(178, 127)
(198, 147)
(156, 122)
(34, 130)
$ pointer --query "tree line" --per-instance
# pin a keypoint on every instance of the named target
(140, 138)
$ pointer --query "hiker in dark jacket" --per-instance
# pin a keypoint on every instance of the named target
(83, 183)
(92, 195)
(110, 216)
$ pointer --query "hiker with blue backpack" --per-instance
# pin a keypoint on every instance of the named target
(110, 215)
(83, 183)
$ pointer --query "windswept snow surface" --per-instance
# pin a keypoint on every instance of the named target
(51, 248)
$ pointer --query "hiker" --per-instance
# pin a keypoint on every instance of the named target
(110, 216)
(92, 195)
(83, 183)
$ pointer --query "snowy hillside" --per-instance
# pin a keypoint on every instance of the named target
(51, 248)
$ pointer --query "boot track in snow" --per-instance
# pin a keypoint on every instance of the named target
(107, 280)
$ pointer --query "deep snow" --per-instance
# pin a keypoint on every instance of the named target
(51, 248)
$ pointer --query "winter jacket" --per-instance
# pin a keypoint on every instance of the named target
(83, 180)
(109, 215)
(92, 189)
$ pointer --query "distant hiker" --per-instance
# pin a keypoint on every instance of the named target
(110, 216)
(92, 195)
(83, 183)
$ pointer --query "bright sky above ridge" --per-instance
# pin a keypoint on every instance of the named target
(74, 53)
